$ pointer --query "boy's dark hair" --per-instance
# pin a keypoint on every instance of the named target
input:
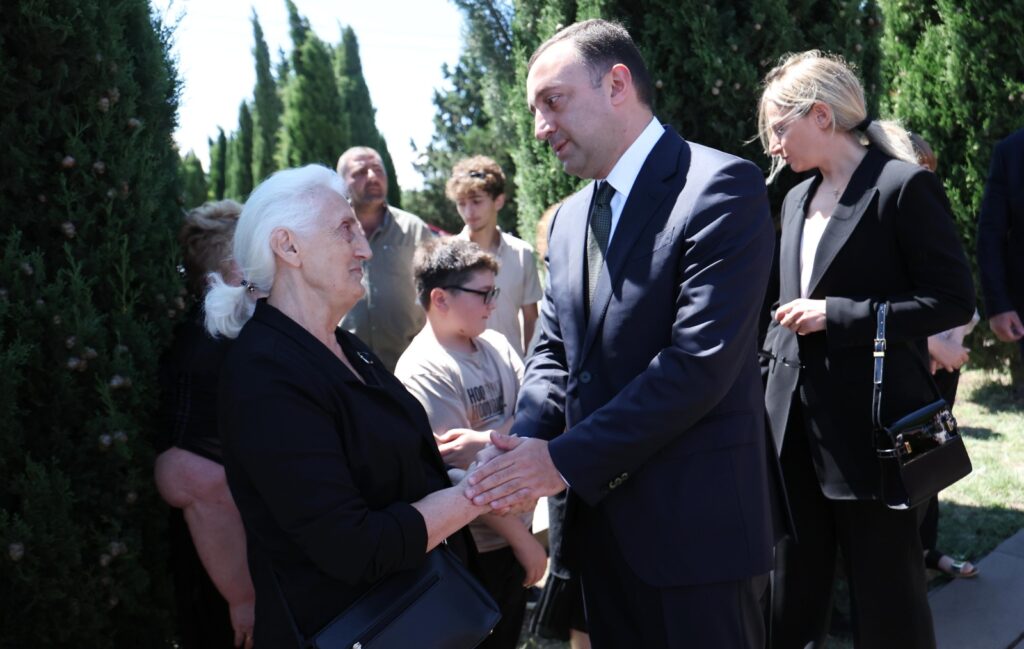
(601, 44)
(476, 174)
(447, 261)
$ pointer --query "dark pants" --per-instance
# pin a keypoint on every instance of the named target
(502, 576)
(947, 383)
(202, 614)
(882, 558)
(623, 611)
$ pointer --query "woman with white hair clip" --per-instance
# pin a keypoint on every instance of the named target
(331, 462)
(869, 226)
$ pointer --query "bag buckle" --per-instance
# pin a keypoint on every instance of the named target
(879, 348)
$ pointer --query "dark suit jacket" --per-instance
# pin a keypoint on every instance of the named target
(891, 238)
(322, 468)
(659, 386)
(1001, 229)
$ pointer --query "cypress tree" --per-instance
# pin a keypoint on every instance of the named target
(357, 112)
(88, 294)
(192, 180)
(239, 167)
(266, 113)
(218, 165)
(311, 128)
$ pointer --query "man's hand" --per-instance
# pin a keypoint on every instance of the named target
(802, 316)
(514, 481)
(1007, 326)
(459, 446)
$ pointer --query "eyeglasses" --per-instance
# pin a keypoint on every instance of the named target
(489, 296)
(780, 127)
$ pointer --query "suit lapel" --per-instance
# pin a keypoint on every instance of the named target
(846, 216)
(653, 186)
(789, 246)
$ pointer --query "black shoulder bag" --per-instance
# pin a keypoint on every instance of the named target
(437, 606)
(920, 453)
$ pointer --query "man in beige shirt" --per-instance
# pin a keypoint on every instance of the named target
(389, 316)
(477, 187)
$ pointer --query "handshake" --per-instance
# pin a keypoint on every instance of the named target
(506, 473)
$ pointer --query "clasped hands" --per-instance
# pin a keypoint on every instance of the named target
(511, 473)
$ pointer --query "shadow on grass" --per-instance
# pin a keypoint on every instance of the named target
(980, 432)
(995, 396)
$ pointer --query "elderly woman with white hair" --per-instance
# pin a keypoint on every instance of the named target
(868, 227)
(331, 462)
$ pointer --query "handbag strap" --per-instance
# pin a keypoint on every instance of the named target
(300, 641)
(879, 373)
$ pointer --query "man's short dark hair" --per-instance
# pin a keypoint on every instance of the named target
(448, 261)
(602, 44)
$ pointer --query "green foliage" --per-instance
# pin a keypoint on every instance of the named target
(266, 113)
(357, 112)
(218, 165)
(472, 117)
(239, 167)
(310, 127)
(88, 293)
(955, 75)
(192, 180)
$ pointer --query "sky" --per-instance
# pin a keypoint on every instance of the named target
(402, 45)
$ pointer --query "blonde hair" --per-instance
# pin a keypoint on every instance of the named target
(205, 239)
(800, 80)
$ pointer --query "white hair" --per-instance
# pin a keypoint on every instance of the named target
(291, 199)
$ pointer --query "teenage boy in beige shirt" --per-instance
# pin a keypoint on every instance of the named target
(477, 187)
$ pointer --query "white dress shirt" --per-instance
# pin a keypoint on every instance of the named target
(623, 175)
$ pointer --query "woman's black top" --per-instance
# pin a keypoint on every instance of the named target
(189, 378)
(323, 468)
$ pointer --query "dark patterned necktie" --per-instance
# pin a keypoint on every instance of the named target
(597, 235)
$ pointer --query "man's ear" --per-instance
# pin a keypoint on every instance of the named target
(499, 202)
(285, 246)
(621, 83)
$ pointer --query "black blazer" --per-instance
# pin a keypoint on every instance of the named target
(890, 238)
(658, 382)
(1001, 229)
(322, 468)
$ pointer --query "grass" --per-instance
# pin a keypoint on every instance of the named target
(985, 508)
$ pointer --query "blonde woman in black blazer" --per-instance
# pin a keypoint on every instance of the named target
(868, 226)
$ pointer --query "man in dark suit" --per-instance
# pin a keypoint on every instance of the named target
(646, 361)
(1001, 246)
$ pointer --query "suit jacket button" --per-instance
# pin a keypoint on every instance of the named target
(585, 377)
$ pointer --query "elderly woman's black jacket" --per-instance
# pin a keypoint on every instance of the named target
(322, 468)
(891, 238)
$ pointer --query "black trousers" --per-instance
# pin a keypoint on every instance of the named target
(882, 557)
(502, 576)
(623, 611)
(202, 614)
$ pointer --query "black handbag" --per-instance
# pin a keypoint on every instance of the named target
(437, 606)
(921, 453)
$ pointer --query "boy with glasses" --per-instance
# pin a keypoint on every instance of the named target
(467, 377)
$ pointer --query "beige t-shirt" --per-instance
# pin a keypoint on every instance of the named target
(477, 390)
(519, 283)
